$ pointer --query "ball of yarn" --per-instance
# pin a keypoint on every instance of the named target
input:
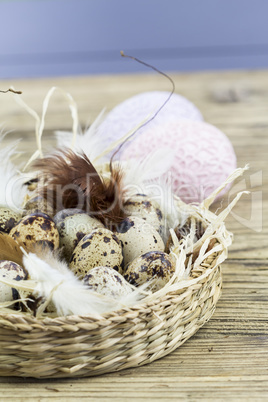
(130, 113)
(203, 158)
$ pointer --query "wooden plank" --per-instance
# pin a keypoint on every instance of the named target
(93, 94)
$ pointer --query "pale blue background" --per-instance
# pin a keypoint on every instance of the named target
(66, 37)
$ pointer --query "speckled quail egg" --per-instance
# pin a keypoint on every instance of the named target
(35, 229)
(108, 282)
(10, 270)
(38, 204)
(61, 215)
(144, 207)
(182, 231)
(155, 266)
(8, 219)
(99, 248)
(138, 237)
(72, 229)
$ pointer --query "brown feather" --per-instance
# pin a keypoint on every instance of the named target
(9, 249)
(71, 181)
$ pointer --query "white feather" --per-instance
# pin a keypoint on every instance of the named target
(88, 142)
(12, 191)
(55, 282)
(64, 139)
(139, 175)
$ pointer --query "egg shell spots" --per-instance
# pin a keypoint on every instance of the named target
(10, 270)
(204, 156)
(8, 219)
(35, 229)
(142, 206)
(72, 229)
(99, 248)
(155, 266)
(128, 114)
(138, 237)
(61, 215)
(108, 282)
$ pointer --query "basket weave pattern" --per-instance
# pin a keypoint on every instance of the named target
(85, 346)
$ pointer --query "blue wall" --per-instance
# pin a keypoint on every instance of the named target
(63, 37)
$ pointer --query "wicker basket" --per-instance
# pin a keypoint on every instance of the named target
(80, 346)
(85, 346)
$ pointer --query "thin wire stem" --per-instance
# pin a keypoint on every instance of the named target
(158, 110)
(12, 90)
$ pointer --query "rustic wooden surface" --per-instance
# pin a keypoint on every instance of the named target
(227, 358)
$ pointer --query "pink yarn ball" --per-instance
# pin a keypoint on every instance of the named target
(203, 159)
(128, 114)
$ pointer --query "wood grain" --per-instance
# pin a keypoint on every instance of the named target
(227, 358)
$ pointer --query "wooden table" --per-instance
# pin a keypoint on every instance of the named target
(227, 358)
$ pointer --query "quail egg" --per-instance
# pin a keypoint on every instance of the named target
(8, 219)
(35, 229)
(155, 266)
(10, 270)
(38, 204)
(61, 215)
(73, 228)
(144, 207)
(138, 237)
(108, 282)
(99, 248)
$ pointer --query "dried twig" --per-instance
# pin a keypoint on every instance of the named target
(11, 90)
